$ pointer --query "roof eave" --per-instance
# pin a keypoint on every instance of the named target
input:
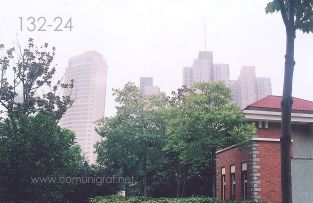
(264, 115)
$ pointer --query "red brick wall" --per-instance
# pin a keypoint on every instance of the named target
(234, 156)
(273, 131)
(269, 162)
(269, 155)
(266, 157)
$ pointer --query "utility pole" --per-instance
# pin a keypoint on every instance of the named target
(204, 34)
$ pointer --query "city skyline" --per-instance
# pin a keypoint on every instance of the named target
(156, 100)
(141, 38)
(246, 89)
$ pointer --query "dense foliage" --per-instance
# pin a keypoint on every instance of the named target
(133, 138)
(168, 145)
(165, 145)
(32, 145)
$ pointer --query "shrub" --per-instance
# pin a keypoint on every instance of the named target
(120, 199)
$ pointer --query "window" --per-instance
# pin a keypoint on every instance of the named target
(244, 180)
(223, 189)
(232, 182)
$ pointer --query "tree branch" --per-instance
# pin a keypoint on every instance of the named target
(283, 12)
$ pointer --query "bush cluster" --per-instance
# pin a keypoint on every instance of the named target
(120, 199)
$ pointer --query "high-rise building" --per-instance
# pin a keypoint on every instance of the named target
(202, 67)
(264, 87)
(247, 89)
(152, 90)
(220, 72)
(234, 87)
(89, 72)
(145, 81)
(204, 70)
(247, 86)
(187, 76)
(252, 88)
(147, 87)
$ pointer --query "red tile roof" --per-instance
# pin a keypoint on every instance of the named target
(273, 102)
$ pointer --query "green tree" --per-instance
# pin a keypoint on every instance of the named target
(26, 83)
(175, 127)
(38, 148)
(205, 121)
(31, 142)
(296, 15)
(133, 138)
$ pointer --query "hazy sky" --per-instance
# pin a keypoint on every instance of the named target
(159, 37)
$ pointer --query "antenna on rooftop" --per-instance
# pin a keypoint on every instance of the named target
(204, 34)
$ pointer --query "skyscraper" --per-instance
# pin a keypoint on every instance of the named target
(264, 87)
(234, 87)
(202, 67)
(145, 81)
(151, 90)
(247, 89)
(147, 87)
(204, 70)
(247, 85)
(187, 76)
(220, 72)
(250, 87)
(89, 72)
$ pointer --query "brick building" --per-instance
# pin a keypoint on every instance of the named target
(251, 170)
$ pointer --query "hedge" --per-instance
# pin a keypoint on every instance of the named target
(120, 199)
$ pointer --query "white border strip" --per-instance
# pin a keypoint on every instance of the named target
(276, 116)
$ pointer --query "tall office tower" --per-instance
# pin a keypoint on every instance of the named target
(233, 85)
(247, 89)
(251, 88)
(187, 76)
(264, 87)
(247, 86)
(89, 72)
(202, 67)
(152, 90)
(220, 72)
(145, 81)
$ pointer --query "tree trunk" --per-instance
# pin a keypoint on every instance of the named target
(145, 175)
(214, 173)
(126, 189)
(178, 181)
(286, 105)
(177, 187)
(185, 180)
(126, 184)
(140, 187)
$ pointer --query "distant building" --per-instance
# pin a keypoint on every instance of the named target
(89, 72)
(250, 87)
(188, 76)
(247, 89)
(220, 72)
(234, 87)
(145, 81)
(152, 90)
(264, 87)
(204, 70)
(251, 171)
(147, 87)
(247, 86)
(202, 67)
